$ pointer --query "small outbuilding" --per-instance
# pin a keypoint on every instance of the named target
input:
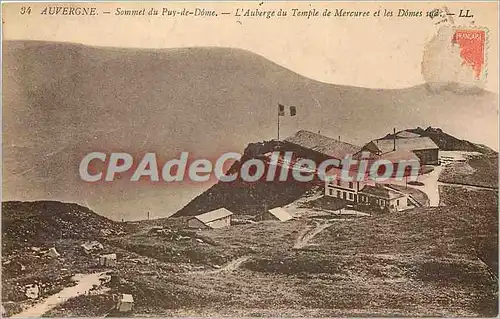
(277, 214)
(108, 260)
(91, 246)
(125, 303)
(214, 219)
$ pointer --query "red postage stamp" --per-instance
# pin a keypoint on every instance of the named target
(472, 43)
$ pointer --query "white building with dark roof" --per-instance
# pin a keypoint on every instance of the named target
(384, 197)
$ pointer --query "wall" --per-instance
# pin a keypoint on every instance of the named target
(219, 223)
(428, 157)
(332, 189)
(195, 223)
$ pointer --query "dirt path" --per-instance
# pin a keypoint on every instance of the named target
(430, 187)
(307, 234)
(231, 266)
(85, 283)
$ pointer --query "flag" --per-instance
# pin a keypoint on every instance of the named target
(293, 111)
(281, 110)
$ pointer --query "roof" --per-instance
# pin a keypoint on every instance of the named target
(323, 144)
(213, 215)
(381, 191)
(397, 155)
(280, 213)
(404, 144)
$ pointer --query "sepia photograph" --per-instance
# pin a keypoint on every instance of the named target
(250, 159)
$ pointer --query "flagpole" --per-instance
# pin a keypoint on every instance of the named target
(278, 125)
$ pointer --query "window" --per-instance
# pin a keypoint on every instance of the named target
(338, 182)
(345, 195)
(350, 195)
(397, 202)
(330, 191)
(350, 185)
(338, 194)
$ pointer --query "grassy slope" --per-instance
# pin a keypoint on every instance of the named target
(64, 100)
(423, 262)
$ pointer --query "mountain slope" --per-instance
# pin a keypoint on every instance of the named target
(25, 223)
(447, 142)
(62, 101)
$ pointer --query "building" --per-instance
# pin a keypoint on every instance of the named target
(404, 163)
(277, 213)
(378, 196)
(108, 260)
(324, 147)
(125, 303)
(366, 193)
(338, 188)
(448, 157)
(384, 198)
(214, 219)
(423, 147)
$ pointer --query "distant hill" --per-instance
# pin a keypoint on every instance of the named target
(27, 223)
(61, 101)
(447, 142)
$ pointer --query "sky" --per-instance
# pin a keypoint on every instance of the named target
(375, 52)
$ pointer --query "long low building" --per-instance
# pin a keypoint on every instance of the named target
(324, 145)
(214, 219)
(423, 147)
(375, 195)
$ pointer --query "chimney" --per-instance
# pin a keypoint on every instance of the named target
(394, 137)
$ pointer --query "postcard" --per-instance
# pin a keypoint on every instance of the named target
(250, 159)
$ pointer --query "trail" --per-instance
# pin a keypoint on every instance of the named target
(307, 234)
(430, 187)
(231, 266)
(85, 283)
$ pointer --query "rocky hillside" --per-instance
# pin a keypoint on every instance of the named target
(447, 142)
(28, 223)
